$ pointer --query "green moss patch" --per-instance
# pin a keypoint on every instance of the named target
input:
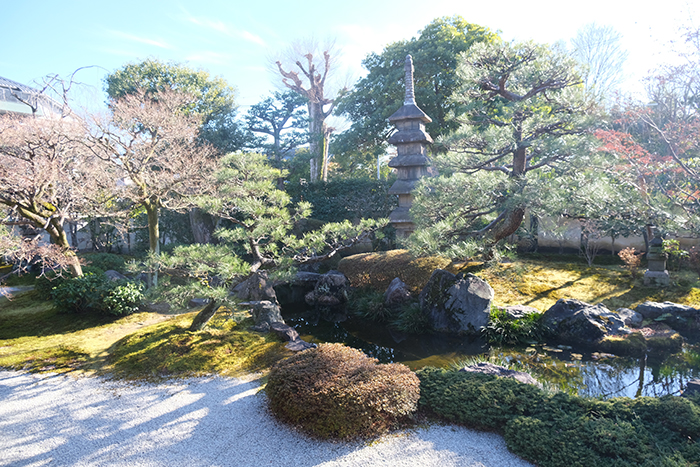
(170, 349)
(35, 337)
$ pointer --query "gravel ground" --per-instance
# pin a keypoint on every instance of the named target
(61, 420)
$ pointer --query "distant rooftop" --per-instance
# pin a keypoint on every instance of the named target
(20, 99)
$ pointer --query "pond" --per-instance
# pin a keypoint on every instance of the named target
(574, 370)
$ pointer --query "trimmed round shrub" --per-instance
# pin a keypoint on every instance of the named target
(335, 391)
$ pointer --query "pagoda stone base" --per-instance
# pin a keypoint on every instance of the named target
(657, 278)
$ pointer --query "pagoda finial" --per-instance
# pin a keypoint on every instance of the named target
(408, 68)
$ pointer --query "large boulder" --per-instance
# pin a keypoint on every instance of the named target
(284, 331)
(500, 371)
(519, 311)
(331, 290)
(456, 304)
(264, 314)
(268, 318)
(294, 291)
(256, 288)
(654, 310)
(113, 275)
(577, 322)
(631, 318)
(397, 293)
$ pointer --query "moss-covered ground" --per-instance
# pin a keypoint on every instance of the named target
(34, 337)
(538, 281)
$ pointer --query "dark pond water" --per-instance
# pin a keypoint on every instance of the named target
(577, 371)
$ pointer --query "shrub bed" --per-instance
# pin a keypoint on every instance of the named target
(563, 430)
(335, 391)
(97, 293)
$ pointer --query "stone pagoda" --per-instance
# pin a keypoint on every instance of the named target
(412, 160)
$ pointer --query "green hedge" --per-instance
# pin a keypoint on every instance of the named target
(351, 199)
(562, 430)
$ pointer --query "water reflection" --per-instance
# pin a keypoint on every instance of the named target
(576, 371)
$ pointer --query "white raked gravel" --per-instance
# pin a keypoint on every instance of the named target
(59, 420)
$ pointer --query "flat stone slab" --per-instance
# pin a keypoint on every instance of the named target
(299, 345)
(500, 371)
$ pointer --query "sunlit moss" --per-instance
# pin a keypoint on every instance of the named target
(170, 349)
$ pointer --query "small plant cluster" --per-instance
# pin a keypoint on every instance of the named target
(675, 254)
(504, 329)
(562, 430)
(632, 260)
(369, 305)
(335, 391)
(101, 262)
(97, 293)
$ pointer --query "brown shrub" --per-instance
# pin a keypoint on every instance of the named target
(377, 270)
(335, 391)
(631, 259)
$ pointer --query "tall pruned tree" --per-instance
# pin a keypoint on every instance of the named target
(282, 121)
(153, 145)
(525, 117)
(380, 93)
(315, 67)
(259, 235)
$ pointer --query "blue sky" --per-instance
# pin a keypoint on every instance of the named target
(237, 40)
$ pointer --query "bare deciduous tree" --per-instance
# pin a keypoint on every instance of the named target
(153, 144)
(46, 175)
(599, 49)
(28, 252)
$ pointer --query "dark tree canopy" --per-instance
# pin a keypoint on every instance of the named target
(213, 98)
(282, 120)
(379, 94)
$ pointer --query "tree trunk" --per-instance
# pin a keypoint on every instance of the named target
(508, 225)
(316, 133)
(153, 235)
(513, 218)
(54, 227)
(59, 237)
(324, 150)
(313, 170)
(204, 316)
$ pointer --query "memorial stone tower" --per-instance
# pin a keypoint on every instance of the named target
(412, 160)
